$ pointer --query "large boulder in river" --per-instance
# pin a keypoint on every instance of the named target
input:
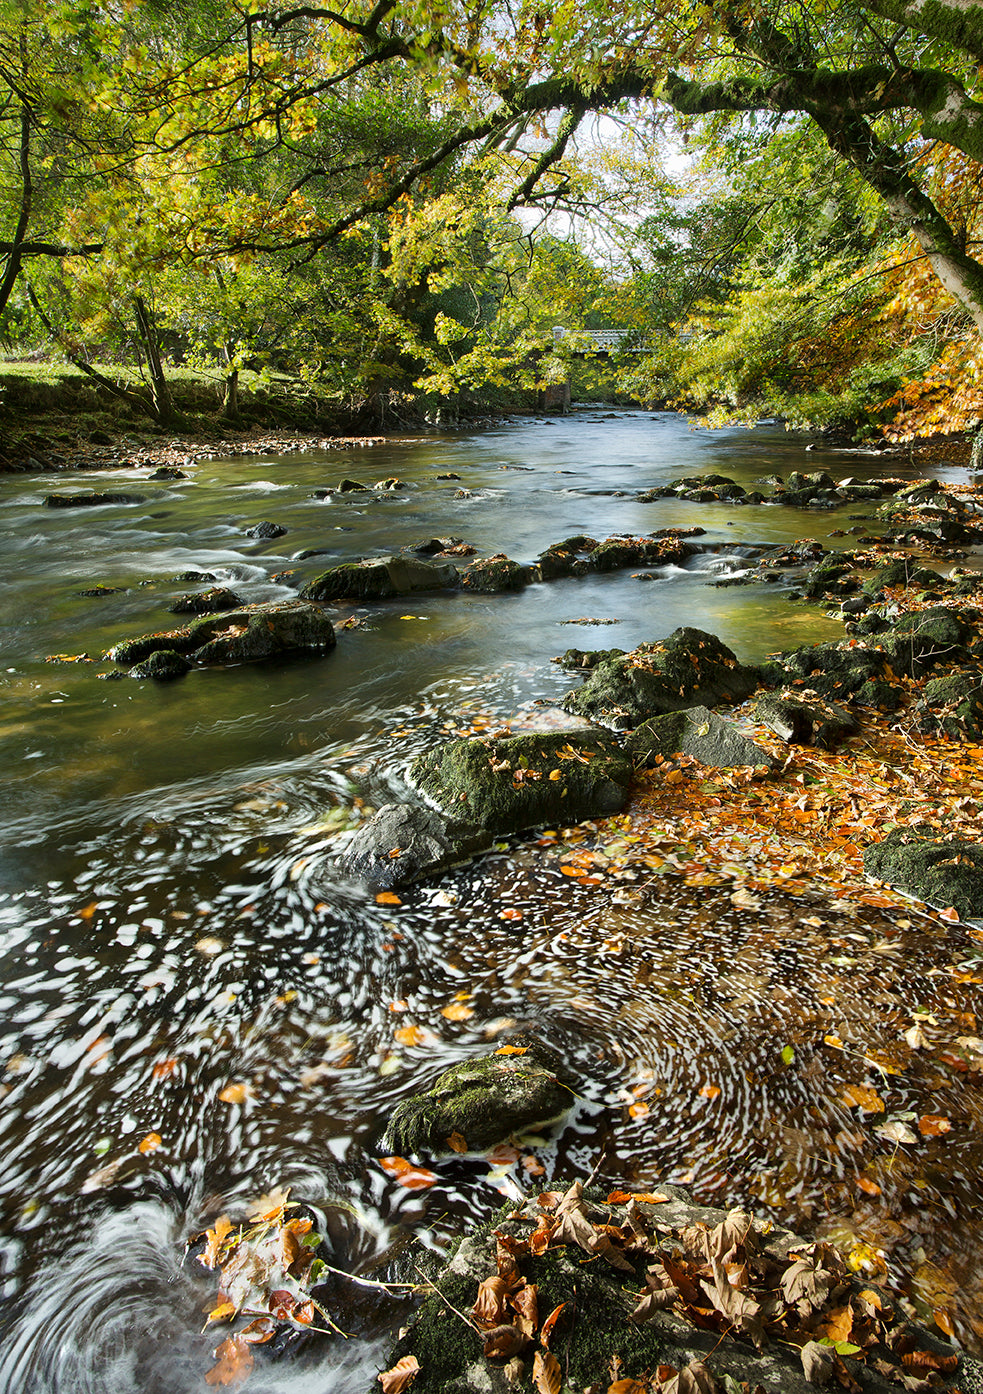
(89, 500)
(483, 1101)
(255, 631)
(381, 578)
(505, 785)
(493, 574)
(944, 871)
(688, 668)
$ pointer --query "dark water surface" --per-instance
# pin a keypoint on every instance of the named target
(167, 929)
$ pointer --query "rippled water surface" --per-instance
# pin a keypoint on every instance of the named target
(169, 929)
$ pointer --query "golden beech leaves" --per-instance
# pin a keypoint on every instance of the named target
(401, 1376)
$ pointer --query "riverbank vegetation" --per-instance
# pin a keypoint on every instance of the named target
(390, 208)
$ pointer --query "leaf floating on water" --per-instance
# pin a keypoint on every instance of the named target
(270, 1205)
(932, 1125)
(510, 1050)
(457, 1011)
(234, 1362)
(400, 1376)
(863, 1097)
(235, 1093)
(150, 1143)
(896, 1131)
(387, 898)
(165, 1068)
(406, 1174)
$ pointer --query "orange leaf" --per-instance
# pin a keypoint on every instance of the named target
(88, 911)
(950, 913)
(863, 1097)
(410, 1035)
(223, 1226)
(710, 1091)
(550, 1323)
(406, 1174)
(401, 1375)
(931, 1125)
(150, 1143)
(457, 1011)
(164, 1068)
(456, 1143)
(235, 1360)
(640, 1109)
(510, 914)
(235, 1093)
(510, 1050)
(646, 1197)
(943, 1321)
(387, 898)
(871, 1187)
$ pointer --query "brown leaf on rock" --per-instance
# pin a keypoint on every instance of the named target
(525, 1302)
(741, 1310)
(928, 1360)
(817, 1362)
(806, 1286)
(456, 1142)
(660, 1295)
(839, 1324)
(546, 1373)
(502, 1342)
(491, 1303)
(215, 1238)
(627, 1386)
(400, 1376)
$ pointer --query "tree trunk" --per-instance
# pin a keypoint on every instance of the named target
(160, 390)
(12, 269)
(230, 399)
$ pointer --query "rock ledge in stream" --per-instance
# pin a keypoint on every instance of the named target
(238, 636)
(403, 842)
(504, 785)
(688, 668)
(484, 1101)
(619, 1308)
(940, 870)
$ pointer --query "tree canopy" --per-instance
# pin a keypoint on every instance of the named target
(375, 193)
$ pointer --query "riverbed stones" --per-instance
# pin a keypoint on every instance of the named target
(484, 1101)
(381, 578)
(237, 636)
(925, 638)
(905, 572)
(713, 740)
(953, 704)
(944, 871)
(164, 665)
(510, 783)
(688, 668)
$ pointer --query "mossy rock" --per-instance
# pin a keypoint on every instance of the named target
(381, 578)
(804, 722)
(580, 660)
(210, 602)
(506, 785)
(942, 871)
(494, 574)
(163, 665)
(485, 1101)
(89, 500)
(954, 705)
(830, 670)
(687, 669)
(926, 638)
(256, 631)
(899, 573)
(879, 693)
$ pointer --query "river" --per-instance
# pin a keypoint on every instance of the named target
(168, 935)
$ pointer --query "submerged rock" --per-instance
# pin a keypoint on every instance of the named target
(505, 785)
(687, 668)
(954, 705)
(89, 500)
(699, 732)
(944, 871)
(484, 1101)
(163, 665)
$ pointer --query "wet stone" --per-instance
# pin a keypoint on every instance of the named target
(163, 665)
(266, 529)
(944, 871)
(89, 500)
(801, 722)
(208, 602)
(713, 740)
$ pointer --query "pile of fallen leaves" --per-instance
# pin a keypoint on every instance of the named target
(734, 1279)
(267, 1270)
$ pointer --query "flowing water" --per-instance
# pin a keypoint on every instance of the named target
(169, 933)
